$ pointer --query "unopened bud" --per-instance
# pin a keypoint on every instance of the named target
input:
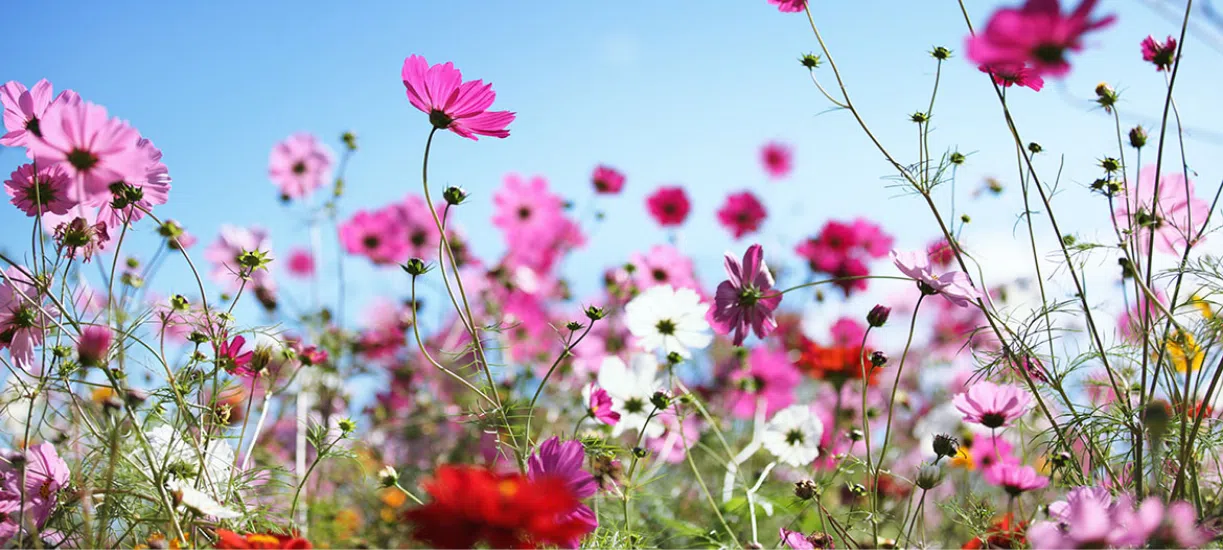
(878, 315)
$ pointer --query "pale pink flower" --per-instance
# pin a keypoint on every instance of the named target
(299, 165)
(461, 107)
(45, 473)
(231, 243)
(778, 158)
(23, 317)
(663, 265)
(742, 213)
(795, 540)
(607, 180)
(94, 345)
(525, 205)
(746, 300)
(41, 192)
(375, 235)
(93, 148)
(1016, 479)
(301, 263)
(1037, 34)
(955, 286)
(1175, 217)
(992, 405)
(24, 110)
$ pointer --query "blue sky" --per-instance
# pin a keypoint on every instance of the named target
(669, 92)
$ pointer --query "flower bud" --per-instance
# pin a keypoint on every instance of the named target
(878, 315)
(661, 399)
(347, 426)
(940, 53)
(388, 476)
(957, 158)
(350, 140)
(805, 489)
(929, 476)
(945, 445)
(416, 267)
(1138, 137)
(674, 358)
(595, 313)
(1034, 147)
(94, 345)
(573, 326)
(810, 61)
(454, 195)
(879, 359)
(639, 452)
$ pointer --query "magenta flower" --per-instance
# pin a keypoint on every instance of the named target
(1007, 75)
(80, 238)
(992, 405)
(1160, 54)
(769, 376)
(778, 158)
(94, 345)
(955, 286)
(746, 300)
(24, 110)
(991, 452)
(789, 6)
(23, 317)
(375, 235)
(1179, 218)
(795, 540)
(742, 213)
(299, 165)
(45, 474)
(93, 148)
(417, 226)
(301, 263)
(1016, 479)
(461, 107)
(1037, 35)
(607, 180)
(564, 461)
(39, 192)
(669, 206)
(231, 357)
(600, 407)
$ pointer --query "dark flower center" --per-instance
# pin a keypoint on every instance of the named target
(749, 296)
(299, 167)
(1049, 53)
(24, 317)
(524, 212)
(668, 208)
(82, 160)
(370, 241)
(794, 436)
(666, 327)
(634, 405)
(439, 119)
(993, 420)
(659, 274)
(417, 238)
(33, 126)
(751, 384)
(40, 192)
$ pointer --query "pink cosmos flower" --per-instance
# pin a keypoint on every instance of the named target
(93, 148)
(607, 180)
(1015, 479)
(137, 192)
(94, 345)
(600, 406)
(746, 301)
(24, 110)
(955, 286)
(231, 243)
(417, 226)
(1007, 75)
(80, 238)
(564, 460)
(1036, 35)
(672, 446)
(669, 206)
(988, 451)
(789, 6)
(742, 213)
(45, 474)
(39, 192)
(663, 265)
(778, 158)
(525, 206)
(1160, 54)
(992, 405)
(299, 165)
(1061, 511)
(795, 540)
(1180, 213)
(769, 376)
(1095, 523)
(23, 317)
(940, 253)
(231, 357)
(847, 332)
(374, 235)
(461, 107)
(301, 263)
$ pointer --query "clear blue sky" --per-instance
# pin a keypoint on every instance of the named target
(669, 92)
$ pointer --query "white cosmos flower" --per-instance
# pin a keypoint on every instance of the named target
(793, 435)
(671, 320)
(630, 388)
(178, 456)
(188, 496)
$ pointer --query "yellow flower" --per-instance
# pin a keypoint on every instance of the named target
(1184, 351)
(101, 394)
(963, 459)
(392, 497)
(1202, 306)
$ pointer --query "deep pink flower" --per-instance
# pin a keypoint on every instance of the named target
(1007, 75)
(955, 286)
(80, 238)
(1179, 217)
(312, 355)
(1160, 54)
(23, 317)
(231, 243)
(742, 213)
(992, 405)
(299, 165)
(600, 407)
(847, 332)
(94, 345)
(789, 6)
(24, 110)
(870, 238)
(231, 357)
(93, 148)
(135, 192)
(778, 158)
(45, 474)
(940, 253)
(607, 180)
(376, 236)
(1037, 35)
(564, 461)
(669, 206)
(301, 263)
(1016, 479)
(461, 107)
(41, 192)
(990, 451)
(769, 376)
(417, 225)
(664, 265)
(746, 300)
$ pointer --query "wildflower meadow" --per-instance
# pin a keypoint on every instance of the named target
(944, 277)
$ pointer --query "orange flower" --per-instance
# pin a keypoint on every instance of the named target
(836, 364)
(260, 541)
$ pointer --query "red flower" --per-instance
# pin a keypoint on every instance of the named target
(473, 505)
(230, 539)
(1004, 533)
(669, 206)
(836, 364)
